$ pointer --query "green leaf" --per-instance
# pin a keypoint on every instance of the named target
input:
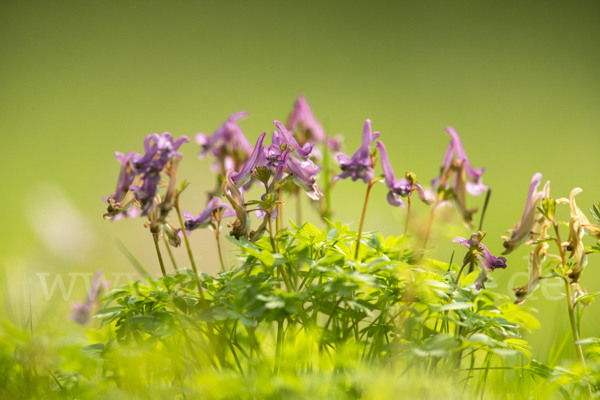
(456, 306)
(107, 312)
(587, 298)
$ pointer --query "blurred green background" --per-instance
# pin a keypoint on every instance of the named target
(80, 80)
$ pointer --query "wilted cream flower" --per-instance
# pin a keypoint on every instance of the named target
(536, 258)
(241, 226)
(523, 228)
(578, 225)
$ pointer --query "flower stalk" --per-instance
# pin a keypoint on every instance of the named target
(189, 250)
(159, 255)
(362, 218)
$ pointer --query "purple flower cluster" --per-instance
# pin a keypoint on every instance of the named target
(456, 157)
(360, 166)
(160, 149)
(284, 154)
(485, 257)
(303, 120)
(308, 129)
(227, 144)
(140, 175)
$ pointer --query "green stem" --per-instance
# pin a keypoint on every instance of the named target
(189, 251)
(405, 228)
(170, 253)
(298, 208)
(218, 237)
(327, 213)
(461, 270)
(278, 346)
(485, 206)
(273, 244)
(488, 361)
(280, 222)
(160, 259)
(362, 219)
(571, 309)
(322, 341)
(429, 225)
(237, 360)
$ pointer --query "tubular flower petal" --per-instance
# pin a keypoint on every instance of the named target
(523, 228)
(474, 185)
(303, 120)
(207, 215)
(280, 167)
(228, 138)
(287, 138)
(425, 195)
(465, 179)
(303, 177)
(484, 256)
(257, 156)
(399, 187)
(360, 166)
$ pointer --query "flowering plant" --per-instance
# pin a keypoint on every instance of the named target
(305, 302)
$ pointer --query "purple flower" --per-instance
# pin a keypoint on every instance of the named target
(303, 120)
(207, 215)
(121, 204)
(280, 165)
(128, 172)
(287, 139)
(335, 143)
(399, 187)
(486, 259)
(303, 176)
(273, 153)
(473, 183)
(261, 214)
(360, 166)
(303, 170)
(228, 144)
(456, 173)
(159, 151)
(82, 311)
(256, 159)
(523, 228)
